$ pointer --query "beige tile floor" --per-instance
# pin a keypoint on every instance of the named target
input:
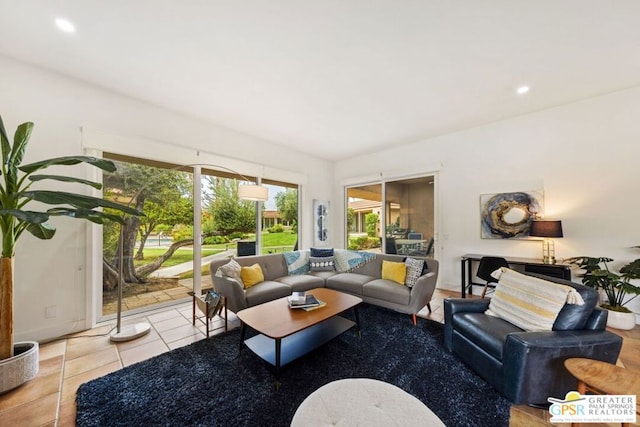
(65, 364)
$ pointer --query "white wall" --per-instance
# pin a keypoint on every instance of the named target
(585, 156)
(54, 272)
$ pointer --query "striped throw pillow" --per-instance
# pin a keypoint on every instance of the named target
(529, 303)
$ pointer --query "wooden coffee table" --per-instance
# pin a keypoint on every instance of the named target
(288, 333)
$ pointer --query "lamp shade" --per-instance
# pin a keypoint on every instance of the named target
(545, 228)
(254, 192)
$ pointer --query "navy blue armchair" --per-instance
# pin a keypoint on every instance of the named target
(528, 367)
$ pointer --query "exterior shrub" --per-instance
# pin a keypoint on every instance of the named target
(364, 242)
(236, 235)
(278, 228)
(372, 224)
(182, 232)
(215, 240)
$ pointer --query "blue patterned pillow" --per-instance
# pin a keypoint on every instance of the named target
(347, 260)
(297, 262)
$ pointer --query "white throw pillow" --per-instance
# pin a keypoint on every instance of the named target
(231, 270)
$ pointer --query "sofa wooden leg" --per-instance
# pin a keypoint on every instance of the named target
(193, 309)
(226, 314)
(207, 320)
(429, 306)
(415, 320)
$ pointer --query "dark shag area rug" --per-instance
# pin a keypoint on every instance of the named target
(208, 384)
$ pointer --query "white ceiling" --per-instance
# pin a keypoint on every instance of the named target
(336, 77)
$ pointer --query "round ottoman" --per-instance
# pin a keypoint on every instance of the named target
(362, 402)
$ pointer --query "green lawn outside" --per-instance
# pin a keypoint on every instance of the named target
(180, 256)
(271, 242)
(278, 242)
(275, 242)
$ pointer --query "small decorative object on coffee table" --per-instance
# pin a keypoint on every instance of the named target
(287, 334)
(302, 300)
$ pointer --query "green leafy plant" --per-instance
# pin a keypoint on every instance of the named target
(615, 286)
(363, 242)
(15, 218)
(372, 220)
(278, 228)
(182, 232)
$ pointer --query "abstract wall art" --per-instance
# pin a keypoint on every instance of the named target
(509, 215)
(320, 223)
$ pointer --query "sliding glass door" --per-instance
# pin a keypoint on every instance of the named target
(150, 252)
(409, 207)
(394, 217)
(279, 217)
(154, 254)
(364, 212)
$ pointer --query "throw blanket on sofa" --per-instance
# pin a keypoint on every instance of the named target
(297, 261)
(346, 260)
(528, 302)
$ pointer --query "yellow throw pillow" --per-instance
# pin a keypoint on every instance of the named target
(396, 271)
(251, 275)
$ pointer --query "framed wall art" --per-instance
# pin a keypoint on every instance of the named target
(320, 223)
(509, 215)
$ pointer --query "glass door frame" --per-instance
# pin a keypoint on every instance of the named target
(94, 240)
(383, 214)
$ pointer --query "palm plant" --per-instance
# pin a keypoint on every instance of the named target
(15, 194)
(615, 286)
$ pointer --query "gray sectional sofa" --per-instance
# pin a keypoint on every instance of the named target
(364, 281)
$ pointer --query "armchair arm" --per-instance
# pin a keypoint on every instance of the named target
(465, 305)
(533, 362)
(422, 291)
(597, 320)
(459, 305)
(232, 291)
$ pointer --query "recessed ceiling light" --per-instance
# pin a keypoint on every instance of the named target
(522, 90)
(65, 25)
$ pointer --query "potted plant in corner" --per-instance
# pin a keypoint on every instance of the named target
(615, 286)
(19, 361)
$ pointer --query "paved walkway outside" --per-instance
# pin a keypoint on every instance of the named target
(181, 291)
(178, 269)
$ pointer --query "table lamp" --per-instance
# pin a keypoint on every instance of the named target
(547, 229)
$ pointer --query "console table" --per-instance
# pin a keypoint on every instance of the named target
(529, 265)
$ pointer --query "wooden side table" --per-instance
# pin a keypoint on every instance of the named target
(604, 378)
(203, 306)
